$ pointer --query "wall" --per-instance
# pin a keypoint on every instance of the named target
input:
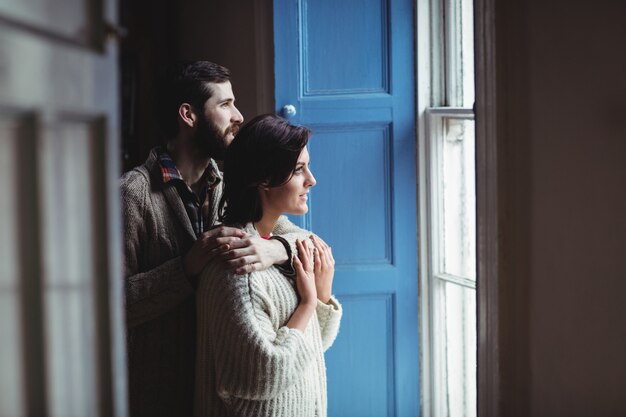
(562, 124)
(149, 45)
(238, 35)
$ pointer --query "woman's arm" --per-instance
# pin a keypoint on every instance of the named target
(328, 308)
(329, 316)
(305, 283)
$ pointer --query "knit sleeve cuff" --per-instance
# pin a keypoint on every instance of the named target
(329, 316)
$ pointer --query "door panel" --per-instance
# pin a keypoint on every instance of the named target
(60, 282)
(363, 358)
(356, 168)
(354, 27)
(350, 79)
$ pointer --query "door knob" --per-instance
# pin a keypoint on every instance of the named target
(289, 110)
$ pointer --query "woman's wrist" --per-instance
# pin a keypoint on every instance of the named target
(300, 318)
(324, 298)
(309, 304)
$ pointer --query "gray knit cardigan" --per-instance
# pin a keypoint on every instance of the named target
(249, 363)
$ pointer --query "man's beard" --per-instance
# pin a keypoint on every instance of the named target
(209, 141)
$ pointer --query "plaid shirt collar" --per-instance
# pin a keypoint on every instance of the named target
(170, 172)
(193, 203)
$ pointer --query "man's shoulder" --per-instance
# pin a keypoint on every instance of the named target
(135, 181)
(137, 175)
(141, 177)
(139, 185)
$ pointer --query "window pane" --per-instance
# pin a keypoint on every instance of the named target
(467, 42)
(68, 250)
(460, 44)
(460, 355)
(459, 199)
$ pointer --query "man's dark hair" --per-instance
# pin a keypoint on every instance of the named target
(185, 82)
(265, 151)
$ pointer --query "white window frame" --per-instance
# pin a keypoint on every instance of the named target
(435, 94)
(433, 327)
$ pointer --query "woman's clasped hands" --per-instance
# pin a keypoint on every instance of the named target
(315, 269)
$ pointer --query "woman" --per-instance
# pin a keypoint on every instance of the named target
(261, 336)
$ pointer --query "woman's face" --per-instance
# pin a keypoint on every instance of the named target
(292, 196)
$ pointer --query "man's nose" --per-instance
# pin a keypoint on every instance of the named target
(237, 117)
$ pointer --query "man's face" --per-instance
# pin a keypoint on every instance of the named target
(219, 123)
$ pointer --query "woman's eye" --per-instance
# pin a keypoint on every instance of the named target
(298, 170)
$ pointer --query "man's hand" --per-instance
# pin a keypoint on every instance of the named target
(253, 253)
(209, 245)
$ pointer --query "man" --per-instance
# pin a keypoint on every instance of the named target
(170, 206)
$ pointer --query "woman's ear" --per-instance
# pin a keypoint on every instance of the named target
(264, 186)
(263, 191)
(187, 114)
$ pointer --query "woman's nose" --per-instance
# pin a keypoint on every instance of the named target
(312, 180)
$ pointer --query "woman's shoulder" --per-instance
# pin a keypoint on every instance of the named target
(273, 283)
(217, 274)
(216, 279)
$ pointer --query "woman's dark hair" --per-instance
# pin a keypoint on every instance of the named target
(265, 150)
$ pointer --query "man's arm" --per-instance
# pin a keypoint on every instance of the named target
(253, 253)
(151, 293)
(148, 294)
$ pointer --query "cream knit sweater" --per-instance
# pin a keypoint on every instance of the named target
(249, 363)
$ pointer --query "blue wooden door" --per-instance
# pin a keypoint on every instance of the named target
(347, 68)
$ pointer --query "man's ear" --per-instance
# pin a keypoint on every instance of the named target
(187, 114)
